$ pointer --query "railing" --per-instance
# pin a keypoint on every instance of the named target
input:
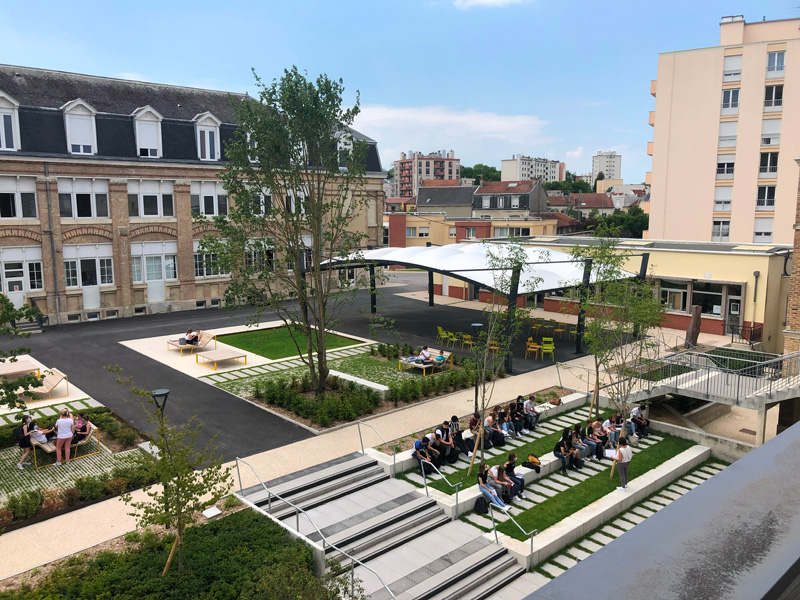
(298, 511)
(528, 533)
(456, 485)
(361, 439)
(746, 333)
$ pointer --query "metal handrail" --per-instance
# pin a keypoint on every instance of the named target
(353, 559)
(513, 520)
(457, 485)
(361, 439)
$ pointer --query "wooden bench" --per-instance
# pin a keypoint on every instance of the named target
(50, 447)
(52, 379)
(205, 340)
(216, 356)
(448, 359)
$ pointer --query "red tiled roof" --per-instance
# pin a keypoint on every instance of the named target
(440, 183)
(560, 200)
(639, 193)
(506, 187)
(580, 201)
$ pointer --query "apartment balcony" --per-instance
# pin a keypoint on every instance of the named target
(648, 178)
(768, 172)
(651, 119)
(653, 87)
(649, 148)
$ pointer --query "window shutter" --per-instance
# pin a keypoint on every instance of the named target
(763, 226)
(728, 129)
(147, 133)
(725, 158)
(80, 130)
(723, 193)
(732, 63)
(770, 126)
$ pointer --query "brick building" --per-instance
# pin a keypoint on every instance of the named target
(99, 181)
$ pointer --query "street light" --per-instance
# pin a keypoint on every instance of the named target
(476, 331)
(160, 398)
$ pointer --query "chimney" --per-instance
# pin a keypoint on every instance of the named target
(480, 181)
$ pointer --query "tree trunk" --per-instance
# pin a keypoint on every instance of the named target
(171, 555)
(180, 548)
(693, 332)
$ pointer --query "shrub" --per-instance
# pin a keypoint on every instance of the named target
(126, 437)
(231, 501)
(25, 505)
(71, 496)
(136, 475)
(132, 537)
(92, 487)
(305, 383)
(52, 501)
(116, 486)
(258, 391)
(6, 517)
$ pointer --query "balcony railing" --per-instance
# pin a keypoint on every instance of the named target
(733, 75)
(766, 169)
(773, 103)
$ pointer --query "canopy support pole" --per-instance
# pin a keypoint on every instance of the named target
(373, 291)
(513, 293)
(430, 282)
(584, 296)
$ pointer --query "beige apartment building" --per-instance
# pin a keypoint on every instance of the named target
(524, 168)
(723, 150)
(415, 167)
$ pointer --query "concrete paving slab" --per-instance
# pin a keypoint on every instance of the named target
(603, 538)
(612, 531)
(555, 484)
(642, 511)
(687, 484)
(48, 411)
(668, 493)
(565, 561)
(702, 474)
(590, 546)
(479, 520)
(552, 569)
(633, 517)
(652, 506)
(578, 553)
(568, 481)
(694, 479)
(535, 497)
(620, 524)
(540, 489)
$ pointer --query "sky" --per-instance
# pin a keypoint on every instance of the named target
(560, 79)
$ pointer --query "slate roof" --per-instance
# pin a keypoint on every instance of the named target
(445, 196)
(507, 187)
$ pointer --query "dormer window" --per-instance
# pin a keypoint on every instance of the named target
(148, 132)
(9, 123)
(207, 131)
(79, 123)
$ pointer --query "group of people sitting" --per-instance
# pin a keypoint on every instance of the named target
(68, 429)
(500, 484)
(191, 338)
(519, 418)
(442, 446)
(424, 357)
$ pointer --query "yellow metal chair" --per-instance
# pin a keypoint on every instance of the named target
(493, 346)
(466, 340)
(560, 329)
(452, 339)
(572, 332)
(440, 335)
(534, 348)
(548, 347)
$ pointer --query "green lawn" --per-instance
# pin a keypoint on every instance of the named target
(277, 342)
(565, 503)
(539, 447)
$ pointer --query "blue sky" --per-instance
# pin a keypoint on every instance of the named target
(486, 78)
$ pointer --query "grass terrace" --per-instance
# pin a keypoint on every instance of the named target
(277, 342)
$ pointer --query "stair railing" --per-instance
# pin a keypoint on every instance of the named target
(530, 534)
(298, 511)
(361, 439)
(456, 485)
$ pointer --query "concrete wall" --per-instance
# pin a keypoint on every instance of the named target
(705, 414)
(725, 448)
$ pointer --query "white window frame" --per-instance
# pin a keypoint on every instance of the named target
(501, 232)
(19, 186)
(486, 202)
(765, 203)
(96, 187)
(203, 190)
(411, 232)
(727, 134)
(80, 109)
(762, 229)
(167, 252)
(732, 68)
(776, 70)
(732, 102)
(142, 116)
(514, 201)
(452, 232)
(717, 228)
(771, 102)
(204, 266)
(206, 123)
(771, 168)
(75, 253)
(725, 166)
(472, 232)
(9, 107)
(723, 197)
(139, 188)
(771, 132)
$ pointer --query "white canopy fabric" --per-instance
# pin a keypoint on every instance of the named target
(478, 263)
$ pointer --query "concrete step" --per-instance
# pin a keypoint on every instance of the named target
(484, 582)
(384, 540)
(325, 493)
(445, 580)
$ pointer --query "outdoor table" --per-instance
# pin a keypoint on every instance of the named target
(18, 368)
(216, 356)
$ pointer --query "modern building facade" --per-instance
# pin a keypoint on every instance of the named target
(100, 180)
(609, 163)
(414, 167)
(723, 150)
(523, 168)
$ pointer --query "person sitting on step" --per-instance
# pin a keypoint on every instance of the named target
(423, 456)
(519, 481)
(642, 425)
(447, 441)
(577, 442)
(599, 431)
(486, 489)
(516, 419)
(501, 482)
(594, 443)
(475, 426)
(530, 412)
(497, 438)
(465, 445)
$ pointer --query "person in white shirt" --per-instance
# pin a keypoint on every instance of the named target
(40, 435)
(65, 427)
(531, 414)
(642, 425)
(426, 356)
(623, 459)
(611, 429)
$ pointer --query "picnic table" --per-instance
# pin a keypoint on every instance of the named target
(20, 367)
(216, 356)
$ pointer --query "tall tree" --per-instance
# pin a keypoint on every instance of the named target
(189, 479)
(296, 173)
(480, 169)
(624, 311)
(12, 391)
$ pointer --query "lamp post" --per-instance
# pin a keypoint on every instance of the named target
(476, 331)
(160, 397)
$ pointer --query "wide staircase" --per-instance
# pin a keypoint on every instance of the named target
(397, 537)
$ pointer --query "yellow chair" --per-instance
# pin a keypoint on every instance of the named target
(572, 332)
(466, 340)
(548, 347)
(493, 346)
(535, 328)
(452, 339)
(560, 329)
(440, 335)
(531, 347)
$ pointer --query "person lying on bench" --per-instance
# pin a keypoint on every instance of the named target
(414, 358)
(425, 354)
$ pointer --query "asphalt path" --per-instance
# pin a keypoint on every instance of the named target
(82, 351)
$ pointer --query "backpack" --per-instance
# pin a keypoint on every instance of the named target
(481, 506)
(534, 459)
(17, 434)
(529, 465)
(506, 496)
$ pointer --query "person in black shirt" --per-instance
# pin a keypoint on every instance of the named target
(519, 480)
(486, 489)
(465, 446)
(560, 451)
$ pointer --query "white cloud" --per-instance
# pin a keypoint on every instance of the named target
(475, 136)
(133, 76)
(466, 4)
(575, 153)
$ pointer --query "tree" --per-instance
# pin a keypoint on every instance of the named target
(390, 173)
(628, 224)
(600, 176)
(188, 479)
(12, 391)
(493, 344)
(480, 169)
(622, 311)
(296, 173)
